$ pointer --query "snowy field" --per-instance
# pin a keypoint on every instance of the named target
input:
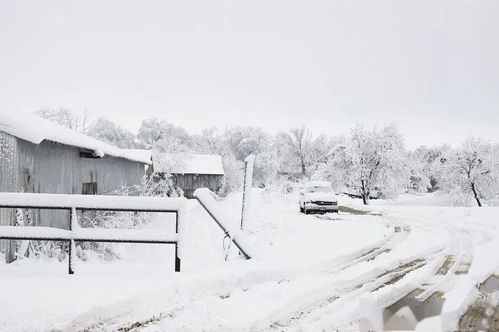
(342, 271)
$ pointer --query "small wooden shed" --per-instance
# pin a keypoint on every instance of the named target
(191, 171)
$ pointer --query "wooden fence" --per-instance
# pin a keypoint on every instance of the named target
(73, 203)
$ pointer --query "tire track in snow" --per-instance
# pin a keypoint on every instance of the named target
(366, 285)
(339, 296)
(439, 277)
(401, 232)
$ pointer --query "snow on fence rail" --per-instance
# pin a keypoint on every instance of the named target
(205, 197)
(92, 202)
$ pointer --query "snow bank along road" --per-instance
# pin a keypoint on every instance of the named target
(392, 267)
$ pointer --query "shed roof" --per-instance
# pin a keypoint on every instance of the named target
(188, 163)
(36, 130)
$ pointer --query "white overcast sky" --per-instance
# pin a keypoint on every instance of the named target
(432, 67)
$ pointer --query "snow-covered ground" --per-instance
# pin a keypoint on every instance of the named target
(307, 272)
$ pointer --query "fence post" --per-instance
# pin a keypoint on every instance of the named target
(177, 259)
(73, 217)
(247, 186)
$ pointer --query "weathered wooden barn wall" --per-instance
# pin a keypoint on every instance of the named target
(8, 160)
(191, 182)
(57, 168)
(8, 178)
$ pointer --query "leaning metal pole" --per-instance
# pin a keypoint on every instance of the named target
(226, 232)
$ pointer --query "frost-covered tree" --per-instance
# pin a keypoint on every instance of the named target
(371, 159)
(244, 141)
(76, 121)
(323, 149)
(209, 142)
(153, 130)
(299, 141)
(265, 167)
(107, 131)
(473, 169)
(300, 151)
(426, 168)
(233, 178)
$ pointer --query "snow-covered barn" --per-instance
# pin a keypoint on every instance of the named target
(191, 171)
(38, 156)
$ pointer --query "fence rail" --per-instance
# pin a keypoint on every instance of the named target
(74, 203)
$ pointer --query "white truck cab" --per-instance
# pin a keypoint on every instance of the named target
(318, 196)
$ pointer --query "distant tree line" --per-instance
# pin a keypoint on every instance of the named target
(369, 162)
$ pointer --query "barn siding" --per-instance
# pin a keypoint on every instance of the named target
(191, 182)
(8, 180)
(8, 160)
(57, 168)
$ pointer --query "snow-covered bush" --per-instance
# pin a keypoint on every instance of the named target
(156, 185)
(160, 184)
(36, 249)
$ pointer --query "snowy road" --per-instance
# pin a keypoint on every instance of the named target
(355, 270)
(419, 257)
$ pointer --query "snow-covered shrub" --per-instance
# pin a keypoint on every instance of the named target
(156, 185)
(113, 220)
(280, 186)
(159, 184)
(36, 249)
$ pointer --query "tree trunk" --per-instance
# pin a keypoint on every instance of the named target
(364, 193)
(477, 198)
(303, 168)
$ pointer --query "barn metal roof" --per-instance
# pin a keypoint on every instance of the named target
(36, 130)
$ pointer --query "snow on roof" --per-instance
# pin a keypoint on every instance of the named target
(188, 163)
(36, 130)
(143, 154)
